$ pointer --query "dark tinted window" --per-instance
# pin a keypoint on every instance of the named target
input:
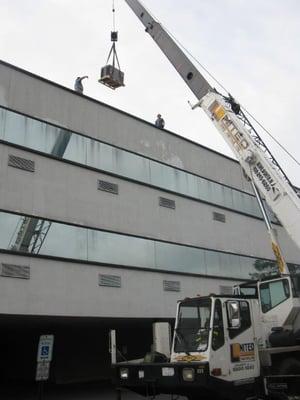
(245, 320)
(273, 293)
(218, 327)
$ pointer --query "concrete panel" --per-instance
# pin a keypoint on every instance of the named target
(53, 103)
(66, 289)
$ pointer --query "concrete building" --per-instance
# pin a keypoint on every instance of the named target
(105, 222)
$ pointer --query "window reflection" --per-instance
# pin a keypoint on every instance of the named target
(37, 135)
(38, 236)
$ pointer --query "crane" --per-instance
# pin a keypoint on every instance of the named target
(262, 169)
(242, 346)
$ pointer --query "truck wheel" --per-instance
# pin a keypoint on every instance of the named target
(290, 366)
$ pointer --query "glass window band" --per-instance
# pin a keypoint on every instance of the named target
(43, 137)
(35, 236)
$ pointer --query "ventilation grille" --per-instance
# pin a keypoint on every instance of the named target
(110, 280)
(163, 202)
(171, 286)
(108, 187)
(15, 271)
(21, 163)
(219, 217)
(226, 290)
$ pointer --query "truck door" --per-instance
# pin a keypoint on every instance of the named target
(242, 343)
(219, 353)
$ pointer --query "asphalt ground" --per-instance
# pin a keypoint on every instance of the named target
(86, 391)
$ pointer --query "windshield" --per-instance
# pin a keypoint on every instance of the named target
(192, 329)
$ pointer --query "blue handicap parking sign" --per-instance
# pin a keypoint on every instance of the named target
(45, 348)
(45, 351)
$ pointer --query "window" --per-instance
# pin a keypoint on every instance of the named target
(273, 293)
(48, 238)
(245, 320)
(296, 285)
(61, 143)
(218, 327)
(192, 331)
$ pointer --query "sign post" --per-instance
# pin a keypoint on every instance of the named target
(44, 358)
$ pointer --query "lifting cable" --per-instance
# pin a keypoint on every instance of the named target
(114, 39)
(111, 74)
(224, 88)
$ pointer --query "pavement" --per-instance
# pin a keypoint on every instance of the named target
(87, 391)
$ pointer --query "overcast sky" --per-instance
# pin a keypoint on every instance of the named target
(251, 47)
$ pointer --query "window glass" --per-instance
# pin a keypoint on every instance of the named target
(218, 327)
(40, 136)
(2, 123)
(132, 166)
(39, 236)
(111, 248)
(245, 319)
(217, 194)
(232, 264)
(163, 176)
(76, 149)
(296, 286)
(238, 201)
(228, 198)
(14, 128)
(193, 327)
(181, 258)
(65, 241)
(273, 293)
(213, 263)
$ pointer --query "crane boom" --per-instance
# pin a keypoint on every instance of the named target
(189, 73)
(251, 152)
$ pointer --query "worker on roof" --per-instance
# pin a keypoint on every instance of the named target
(78, 87)
(160, 123)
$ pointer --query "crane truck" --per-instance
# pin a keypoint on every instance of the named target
(243, 346)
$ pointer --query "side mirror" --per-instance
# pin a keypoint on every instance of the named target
(233, 312)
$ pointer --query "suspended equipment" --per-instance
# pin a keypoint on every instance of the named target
(111, 76)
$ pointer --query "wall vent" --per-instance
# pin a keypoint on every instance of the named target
(110, 280)
(21, 163)
(15, 271)
(108, 187)
(163, 202)
(171, 286)
(226, 290)
(219, 217)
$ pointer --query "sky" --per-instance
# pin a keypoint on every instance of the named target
(251, 47)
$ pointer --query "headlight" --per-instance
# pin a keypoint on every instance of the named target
(141, 374)
(167, 371)
(124, 373)
(188, 374)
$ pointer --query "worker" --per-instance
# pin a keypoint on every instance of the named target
(160, 123)
(78, 87)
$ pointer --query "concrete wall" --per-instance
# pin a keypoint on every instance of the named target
(68, 193)
(71, 289)
(41, 99)
(64, 297)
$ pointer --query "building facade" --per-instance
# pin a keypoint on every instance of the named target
(106, 221)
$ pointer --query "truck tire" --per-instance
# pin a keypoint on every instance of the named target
(289, 366)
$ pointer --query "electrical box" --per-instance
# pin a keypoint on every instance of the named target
(111, 77)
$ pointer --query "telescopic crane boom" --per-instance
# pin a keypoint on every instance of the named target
(253, 155)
